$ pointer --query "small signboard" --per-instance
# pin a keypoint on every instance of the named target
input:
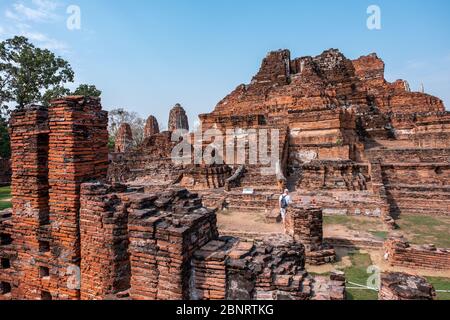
(248, 191)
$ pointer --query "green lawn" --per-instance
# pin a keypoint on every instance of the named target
(357, 273)
(417, 229)
(426, 230)
(440, 284)
(5, 193)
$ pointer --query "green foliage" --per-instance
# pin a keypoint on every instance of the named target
(5, 193)
(426, 230)
(29, 74)
(441, 284)
(54, 93)
(111, 143)
(87, 91)
(357, 273)
(5, 149)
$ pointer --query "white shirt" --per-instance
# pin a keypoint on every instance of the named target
(286, 197)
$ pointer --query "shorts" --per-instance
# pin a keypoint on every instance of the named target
(283, 213)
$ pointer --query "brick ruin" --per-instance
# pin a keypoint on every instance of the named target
(124, 138)
(151, 127)
(5, 172)
(144, 227)
(402, 254)
(305, 225)
(402, 286)
(71, 236)
(351, 141)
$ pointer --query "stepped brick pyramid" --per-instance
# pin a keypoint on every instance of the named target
(356, 143)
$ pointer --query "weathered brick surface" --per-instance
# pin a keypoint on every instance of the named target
(54, 150)
(151, 127)
(30, 194)
(402, 286)
(105, 263)
(165, 230)
(342, 116)
(124, 138)
(178, 119)
(8, 255)
(305, 225)
(402, 254)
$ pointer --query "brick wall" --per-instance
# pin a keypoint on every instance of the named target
(402, 254)
(305, 225)
(54, 150)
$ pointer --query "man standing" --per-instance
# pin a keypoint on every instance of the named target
(285, 201)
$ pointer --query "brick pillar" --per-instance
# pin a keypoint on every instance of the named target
(305, 224)
(105, 264)
(29, 148)
(77, 153)
(164, 233)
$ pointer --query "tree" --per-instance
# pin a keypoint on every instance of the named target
(119, 116)
(29, 74)
(87, 91)
(5, 150)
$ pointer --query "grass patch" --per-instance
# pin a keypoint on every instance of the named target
(380, 234)
(426, 230)
(440, 284)
(5, 193)
(357, 273)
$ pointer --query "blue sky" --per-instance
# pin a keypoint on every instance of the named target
(147, 55)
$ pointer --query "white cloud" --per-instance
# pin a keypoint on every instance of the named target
(37, 11)
(45, 41)
(25, 16)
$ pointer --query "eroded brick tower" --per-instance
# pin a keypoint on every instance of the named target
(54, 150)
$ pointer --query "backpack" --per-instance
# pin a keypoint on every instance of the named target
(284, 203)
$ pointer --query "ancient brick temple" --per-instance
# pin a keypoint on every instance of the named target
(71, 236)
(124, 138)
(151, 127)
(143, 226)
(347, 139)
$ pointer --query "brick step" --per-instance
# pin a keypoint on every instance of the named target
(248, 209)
(420, 195)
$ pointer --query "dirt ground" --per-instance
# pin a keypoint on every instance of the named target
(246, 222)
(341, 227)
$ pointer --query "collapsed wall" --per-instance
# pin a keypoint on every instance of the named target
(168, 245)
(401, 254)
(402, 286)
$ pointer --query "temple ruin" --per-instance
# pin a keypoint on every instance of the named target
(135, 224)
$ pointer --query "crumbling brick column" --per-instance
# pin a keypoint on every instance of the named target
(29, 150)
(77, 153)
(402, 286)
(105, 264)
(54, 150)
(305, 225)
(151, 127)
(164, 232)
